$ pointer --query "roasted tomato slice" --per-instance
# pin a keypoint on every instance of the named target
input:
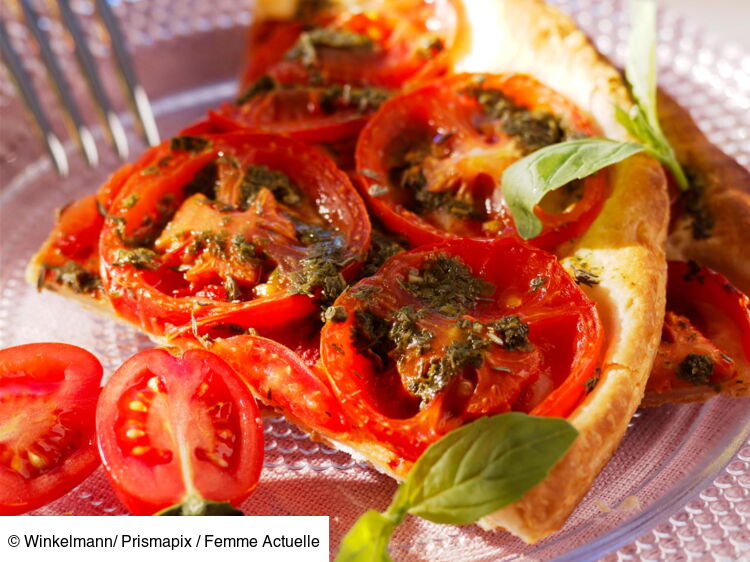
(238, 229)
(319, 76)
(48, 394)
(282, 379)
(430, 160)
(178, 430)
(448, 333)
(706, 333)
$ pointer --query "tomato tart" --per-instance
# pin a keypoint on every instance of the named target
(340, 236)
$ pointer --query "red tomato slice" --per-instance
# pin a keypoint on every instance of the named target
(48, 394)
(178, 430)
(430, 160)
(706, 334)
(241, 229)
(319, 77)
(444, 334)
(281, 379)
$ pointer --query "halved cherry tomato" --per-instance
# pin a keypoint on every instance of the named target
(178, 430)
(48, 394)
(444, 334)
(240, 229)
(320, 76)
(431, 160)
(706, 333)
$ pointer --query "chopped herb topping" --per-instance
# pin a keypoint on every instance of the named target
(139, 258)
(430, 45)
(213, 242)
(696, 369)
(591, 382)
(130, 201)
(204, 181)
(369, 336)
(365, 292)
(406, 334)
(335, 314)
(532, 129)
(382, 247)
(257, 177)
(233, 289)
(446, 285)
(456, 357)
(537, 283)
(245, 250)
(410, 176)
(512, 332)
(305, 50)
(188, 144)
(701, 219)
(363, 99)
(262, 85)
(74, 277)
(585, 277)
(321, 268)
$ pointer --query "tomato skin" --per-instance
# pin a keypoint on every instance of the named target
(564, 331)
(299, 97)
(708, 316)
(281, 378)
(190, 411)
(46, 382)
(156, 300)
(469, 158)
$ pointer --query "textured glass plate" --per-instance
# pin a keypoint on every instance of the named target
(679, 485)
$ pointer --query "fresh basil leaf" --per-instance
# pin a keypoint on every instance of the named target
(528, 180)
(640, 71)
(469, 473)
(367, 540)
(200, 507)
(484, 466)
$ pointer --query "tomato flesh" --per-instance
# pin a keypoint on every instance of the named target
(430, 160)
(218, 234)
(706, 332)
(319, 77)
(174, 429)
(48, 394)
(528, 298)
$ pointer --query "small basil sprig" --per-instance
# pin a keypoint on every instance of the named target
(642, 122)
(528, 180)
(471, 472)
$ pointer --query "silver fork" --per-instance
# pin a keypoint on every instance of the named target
(135, 93)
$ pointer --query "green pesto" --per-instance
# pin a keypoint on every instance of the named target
(139, 258)
(74, 277)
(406, 334)
(204, 181)
(695, 369)
(446, 285)
(188, 143)
(362, 98)
(305, 50)
(532, 129)
(257, 177)
(262, 85)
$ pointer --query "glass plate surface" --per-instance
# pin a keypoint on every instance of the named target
(678, 487)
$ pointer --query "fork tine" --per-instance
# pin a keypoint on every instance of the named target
(85, 138)
(135, 91)
(24, 84)
(91, 73)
